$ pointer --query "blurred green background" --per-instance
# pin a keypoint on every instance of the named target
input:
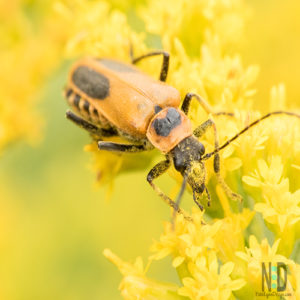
(54, 221)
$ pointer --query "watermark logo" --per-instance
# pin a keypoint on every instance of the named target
(273, 280)
(271, 276)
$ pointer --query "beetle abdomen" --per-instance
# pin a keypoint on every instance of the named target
(85, 109)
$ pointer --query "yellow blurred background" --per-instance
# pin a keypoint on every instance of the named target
(55, 222)
(272, 40)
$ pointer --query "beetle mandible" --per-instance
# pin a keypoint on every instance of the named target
(112, 98)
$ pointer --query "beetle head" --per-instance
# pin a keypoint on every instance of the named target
(187, 153)
(187, 160)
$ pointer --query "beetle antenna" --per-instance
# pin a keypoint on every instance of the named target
(208, 155)
(178, 199)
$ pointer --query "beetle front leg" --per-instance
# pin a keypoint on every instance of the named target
(154, 173)
(198, 132)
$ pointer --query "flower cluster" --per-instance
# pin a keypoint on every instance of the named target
(30, 47)
(219, 254)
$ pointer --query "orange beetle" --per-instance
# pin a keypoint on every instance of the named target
(112, 98)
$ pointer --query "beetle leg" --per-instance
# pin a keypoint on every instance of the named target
(117, 147)
(197, 202)
(208, 196)
(92, 129)
(224, 113)
(165, 65)
(155, 172)
(198, 132)
(187, 101)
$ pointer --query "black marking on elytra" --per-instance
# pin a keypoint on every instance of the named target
(69, 93)
(164, 126)
(116, 65)
(86, 106)
(157, 109)
(91, 82)
(76, 100)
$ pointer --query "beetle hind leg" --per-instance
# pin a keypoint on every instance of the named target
(165, 64)
(92, 129)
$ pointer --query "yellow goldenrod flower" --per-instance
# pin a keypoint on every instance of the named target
(281, 208)
(135, 284)
(208, 282)
(186, 241)
(233, 227)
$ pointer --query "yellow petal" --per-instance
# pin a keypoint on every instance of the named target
(242, 255)
(177, 261)
(236, 284)
(263, 168)
(251, 181)
(233, 163)
(227, 269)
(282, 219)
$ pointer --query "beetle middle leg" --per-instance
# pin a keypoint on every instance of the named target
(198, 132)
(187, 102)
(165, 65)
(154, 173)
(117, 147)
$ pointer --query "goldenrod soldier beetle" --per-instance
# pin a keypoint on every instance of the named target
(112, 98)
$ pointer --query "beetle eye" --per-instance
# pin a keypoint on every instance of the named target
(201, 149)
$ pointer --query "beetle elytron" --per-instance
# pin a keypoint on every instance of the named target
(116, 99)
